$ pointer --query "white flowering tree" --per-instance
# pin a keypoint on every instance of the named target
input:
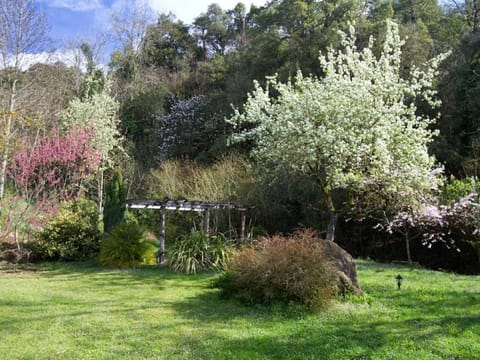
(355, 131)
(98, 112)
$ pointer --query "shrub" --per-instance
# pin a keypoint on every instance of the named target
(127, 246)
(197, 251)
(280, 269)
(227, 180)
(456, 189)
(20, 220)
(72, 234)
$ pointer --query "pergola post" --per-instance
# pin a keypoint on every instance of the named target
(206, 221)
(242, 229)
(161, 250)
(185, 205)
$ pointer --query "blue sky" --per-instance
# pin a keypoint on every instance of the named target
(72, 21)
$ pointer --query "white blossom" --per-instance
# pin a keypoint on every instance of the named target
(100, 113)
(357, 127)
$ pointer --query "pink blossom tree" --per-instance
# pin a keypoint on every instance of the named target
(50, 169)
(55, 166)
(437, 223)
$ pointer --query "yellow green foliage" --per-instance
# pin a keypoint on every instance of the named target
(72, 234)
(127, 246)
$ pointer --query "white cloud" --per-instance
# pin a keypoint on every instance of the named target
(75, 5)
(70, 57)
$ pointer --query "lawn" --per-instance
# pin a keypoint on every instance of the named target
(81, 311)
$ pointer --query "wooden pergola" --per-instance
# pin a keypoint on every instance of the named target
(185, 205)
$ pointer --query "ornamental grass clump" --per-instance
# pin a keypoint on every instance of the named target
(281, 269)
(197, 251)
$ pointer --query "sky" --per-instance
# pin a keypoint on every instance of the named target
(71, 21)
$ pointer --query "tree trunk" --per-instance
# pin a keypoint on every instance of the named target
(476, 246)
(100, 187)
(407, 245)
(7, 139)
(3, 172)
(475, 15)
(331, 226)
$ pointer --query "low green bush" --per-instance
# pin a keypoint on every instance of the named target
(455, 189)
(197, 251)
(127, 246)
(72, 235)
(280, 269)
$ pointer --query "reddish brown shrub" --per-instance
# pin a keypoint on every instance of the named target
(285, 269)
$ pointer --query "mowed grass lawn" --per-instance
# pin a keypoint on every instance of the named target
(81, 311)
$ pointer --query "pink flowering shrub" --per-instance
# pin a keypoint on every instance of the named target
(440, 223)
(55, 165)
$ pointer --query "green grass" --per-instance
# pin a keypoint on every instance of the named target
(81, 311)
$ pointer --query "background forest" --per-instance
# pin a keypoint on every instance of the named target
(152, 124)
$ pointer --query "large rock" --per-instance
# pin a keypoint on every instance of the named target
(344, 267)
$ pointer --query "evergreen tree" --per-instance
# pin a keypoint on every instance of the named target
(115, 198)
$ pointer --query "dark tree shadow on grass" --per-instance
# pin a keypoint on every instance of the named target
(406, 323)
(96, 275)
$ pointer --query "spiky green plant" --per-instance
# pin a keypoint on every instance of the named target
(126, 246)
(197, 251)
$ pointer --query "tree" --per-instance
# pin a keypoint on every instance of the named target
(129, 26)
(212, 29)
(458, 146)
(356, 131)
(239, 22)
(440, 223)
(53, 87)
(287, 35)
(138, 115)
(115, 199)
(184, 131)
(22, 31)
(470, 10)
(55, 166)
(94, 81)
(99, 112)
(169, 45)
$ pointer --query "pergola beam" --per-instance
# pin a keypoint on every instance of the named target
(182, 205)
(185, 205)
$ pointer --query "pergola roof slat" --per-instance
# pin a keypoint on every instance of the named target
(185, 205)
(182, 205)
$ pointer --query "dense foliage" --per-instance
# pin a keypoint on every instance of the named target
(356, 137)
(197, 251)
(284, 269)
(115, 199)
(127, 246)
(355, 130)
(72, 235)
